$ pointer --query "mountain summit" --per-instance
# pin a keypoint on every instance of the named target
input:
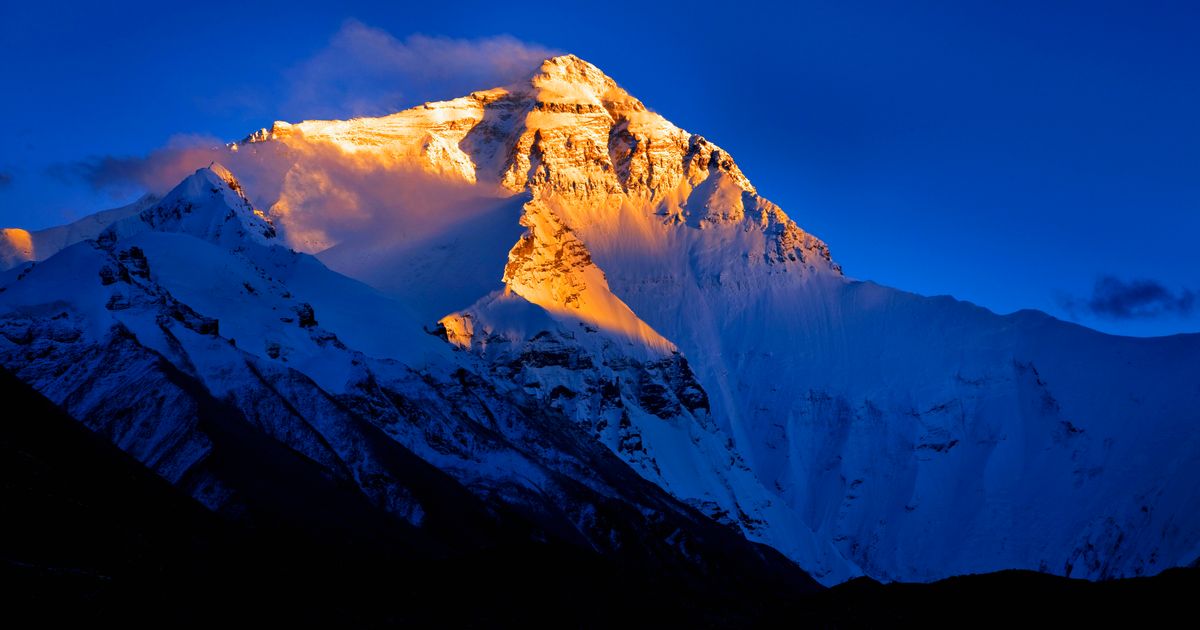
(568, 128)
(210, 204)
(546, 303)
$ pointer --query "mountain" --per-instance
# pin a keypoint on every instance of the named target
(589, 322)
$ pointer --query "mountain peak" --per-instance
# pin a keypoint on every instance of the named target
(215, 169)
(569, 131)
(568, 84)
(568, 59)
(571, 70)
(209, 204)
(206, 178)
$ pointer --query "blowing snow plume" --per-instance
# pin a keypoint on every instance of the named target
(322, 191)
(365, 71)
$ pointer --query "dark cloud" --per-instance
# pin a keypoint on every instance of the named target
(365, 71)
(6, 178)
(1113, 298)
(157, 171)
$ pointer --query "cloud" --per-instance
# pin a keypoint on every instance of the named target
(361, 71)
(365, 71)
(321, 195)
(6, 179)
(156, 172)
(1113, 298)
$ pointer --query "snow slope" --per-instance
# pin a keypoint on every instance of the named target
(18, 246)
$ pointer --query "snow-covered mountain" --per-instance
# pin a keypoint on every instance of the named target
(234, 367)
(574, 290)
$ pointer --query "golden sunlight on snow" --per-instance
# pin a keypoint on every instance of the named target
(16, 246)
(572, 140)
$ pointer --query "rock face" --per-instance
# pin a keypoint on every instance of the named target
(611, 322)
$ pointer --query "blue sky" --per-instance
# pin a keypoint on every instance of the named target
(1017, 155)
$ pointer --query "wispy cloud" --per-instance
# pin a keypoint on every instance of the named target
(365, 71)
(156, 171)
(1114, 298)
(320, 194)
(361, 71)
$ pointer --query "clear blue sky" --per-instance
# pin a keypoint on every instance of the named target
(1011, 154)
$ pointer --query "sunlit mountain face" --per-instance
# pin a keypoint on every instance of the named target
(541, 314)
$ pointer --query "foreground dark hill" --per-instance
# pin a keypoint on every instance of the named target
(91, 534)
(1002, 599)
